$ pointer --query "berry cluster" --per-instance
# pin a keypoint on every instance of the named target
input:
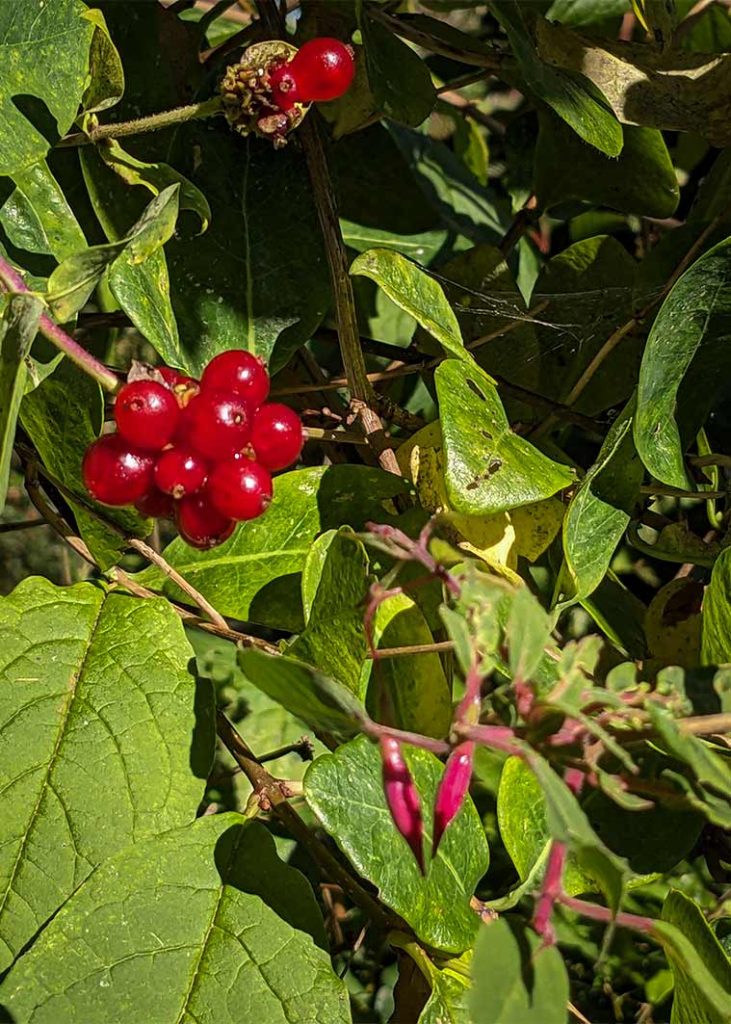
(201, 453)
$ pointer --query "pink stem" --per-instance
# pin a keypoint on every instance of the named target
(597, 913)
(550, 892)
(499, 737)
(13, 282)
(376, 731)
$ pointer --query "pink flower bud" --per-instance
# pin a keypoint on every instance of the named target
(402, 797)
(452, 789)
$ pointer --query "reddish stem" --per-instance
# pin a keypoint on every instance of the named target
(604, 914)
(550, 892)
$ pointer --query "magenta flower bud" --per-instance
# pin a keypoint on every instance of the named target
(452, 789)
(402, 797)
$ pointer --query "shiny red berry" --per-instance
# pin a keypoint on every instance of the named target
(147, 414)
(240, 488)
(200, 524)
(182, 386)
(277, 436)
(180, 471)
(156, 505)
(283, 86)
(239, 371)
(116, 473)
(217, 423)
(323, 69)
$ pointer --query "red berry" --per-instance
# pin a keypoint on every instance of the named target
(156, 505)
(180, 471)
(115, 473)
(217, 423)
(240, 488)
(277, 436)
(283, 86)
(200, 524)
(323, 69)
(239, 371)
(182, 386)
(147, 414)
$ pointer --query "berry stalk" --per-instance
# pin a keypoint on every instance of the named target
(13, 282)
(152, 123)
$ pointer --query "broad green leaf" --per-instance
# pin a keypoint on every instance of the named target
(701, 968)
(686, 92)
(620, 614)
(345, 790)
(17, 331)
(640, 180)
(318, 700)
(449, 982)
(422, 247)
(600, 509)
(573, 96)
(580, 13)
(201, 924)
(333, 639)
(716, 639)
(514, 979)
(101, 745)
(463, 204)
(254, 574)
(71, 284)
(683, 364)
(37, 217)
(527, 633)
(416, 292)
(62, 417)
(44, 57)
(106, 74)
(399, 79)
(488, 467)
(411, 691)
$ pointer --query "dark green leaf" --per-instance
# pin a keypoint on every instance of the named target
(580, 13)
(449, 983)
(488, 467)
(716, 642)
(515, 981)
(17, 331)
(104, 740)
(106, 85)
(254, 574)
(345, 790)
(398, 77)
(683, 364)
(44, 57)
(203, 923)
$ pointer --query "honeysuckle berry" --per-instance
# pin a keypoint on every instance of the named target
(452, 789)
(180, 471)
(116, 473)
(200, 524)
(146, 414)
(402, 797)
(276, 436)
(240, 371)
(217, 423)
(156, 505)
(283, 85)
(240, 488)
(322, 69)
(183, 387)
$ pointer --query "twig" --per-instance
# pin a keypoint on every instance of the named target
(336, 436)
(155, 122)
(24, 524)
(270, 789)
(196, 597)
(403, 652)
(303, 747)
(13, 282)
(523, 219)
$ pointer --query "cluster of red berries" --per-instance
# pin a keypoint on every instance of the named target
(321, 70)
(201, 453)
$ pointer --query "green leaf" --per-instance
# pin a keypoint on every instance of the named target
(449, 983)
(580, 13)
(716, 641)
(399, 79)
(333, 639)
(683, 364)
(201, 924)
(44, 57)
(71, 283)
(37, 217)
(254, 574)
(318, 700)
(106, 85)
(640, 180)
(488, 467)
(17, 331)
(345, 790)
(104, 739)
(416, 292)
(515, 981)
(411, 691)
(573, 97)
(710, 768)
(600, 509)
(527, 633)
(701, 969)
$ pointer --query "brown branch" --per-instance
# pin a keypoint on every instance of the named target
(172, 574)
(23, 524)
